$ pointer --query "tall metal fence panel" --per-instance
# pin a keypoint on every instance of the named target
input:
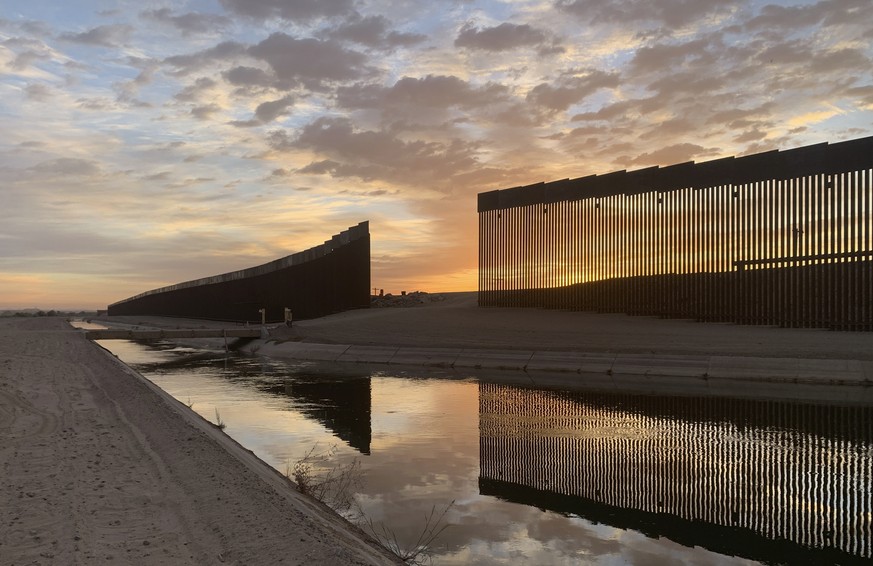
(778, 238)
(328, 278)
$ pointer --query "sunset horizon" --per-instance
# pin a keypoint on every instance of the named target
(148, 145)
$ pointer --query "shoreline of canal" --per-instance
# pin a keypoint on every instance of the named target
(100, 464)
(450, 333)
(527, 384)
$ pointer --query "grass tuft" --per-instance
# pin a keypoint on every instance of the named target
(332, 484)
(335, 485)
(419, 551)
(218, 422)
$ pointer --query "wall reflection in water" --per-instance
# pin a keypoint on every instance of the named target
(341, 406)
(764, 480)
(340, 402)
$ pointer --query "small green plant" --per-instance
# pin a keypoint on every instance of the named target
(218, 422)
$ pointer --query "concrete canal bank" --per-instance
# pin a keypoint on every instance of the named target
(564, 348)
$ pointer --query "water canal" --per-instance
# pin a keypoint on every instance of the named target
(548, 475)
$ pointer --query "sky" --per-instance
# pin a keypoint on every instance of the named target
(152, 142)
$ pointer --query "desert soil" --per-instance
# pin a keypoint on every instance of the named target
(99, 466)
(455, 321)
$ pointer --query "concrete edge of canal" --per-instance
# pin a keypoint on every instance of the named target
(789, 370)
(823, 376)
(837, 380)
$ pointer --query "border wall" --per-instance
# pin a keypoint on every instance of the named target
(328, 278)
(779, 238)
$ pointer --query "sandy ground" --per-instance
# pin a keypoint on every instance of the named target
(98, 466)
(458, 322)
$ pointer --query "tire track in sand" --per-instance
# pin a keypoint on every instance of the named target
(20, 420)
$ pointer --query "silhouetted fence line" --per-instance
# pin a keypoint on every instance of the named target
(331, 277)
(780, 238)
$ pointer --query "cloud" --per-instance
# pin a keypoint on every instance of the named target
(408, 98)
(224, 51)
(309, 60)
(669, 57)
(25, 59)
(837, 60)
(68, 166)
(292, 10)
(571, 89)
(506, 37)
(196, 90)
(111, 35)
(779, 19)
(249, 76)
(269, 111)
(206, 111)
(812, 117)
(30, 27)
(374, 31)
(736, 118)
(863, 95)
(674, 128)
(128, 90)
(617, 110)
(96, 103)
(38, 92)
(190, 22)
(676, 153)
(377, 155)
(432, 91)
(752, 135)
(162, 176)
(671, 13)
(27, 52)
(251, 81)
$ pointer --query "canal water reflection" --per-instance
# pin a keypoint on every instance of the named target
(549, 476)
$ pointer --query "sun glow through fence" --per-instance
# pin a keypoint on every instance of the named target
(775, 238)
